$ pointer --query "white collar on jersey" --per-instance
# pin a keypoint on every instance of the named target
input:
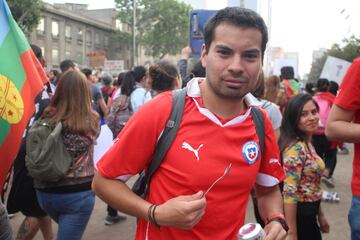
(193, 90)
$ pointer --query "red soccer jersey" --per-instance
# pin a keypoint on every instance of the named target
(204, 146)
(349, 99)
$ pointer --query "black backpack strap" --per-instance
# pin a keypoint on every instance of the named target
(258, 118)
(169, 133)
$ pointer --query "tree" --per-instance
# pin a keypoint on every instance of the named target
(26, 13)
(349, 50)
(162, 26)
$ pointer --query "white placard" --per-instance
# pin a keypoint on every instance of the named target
(103, 143)
(335, 69)
(114, 67)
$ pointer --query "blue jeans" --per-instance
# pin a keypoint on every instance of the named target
(354, 218)
(70, 210)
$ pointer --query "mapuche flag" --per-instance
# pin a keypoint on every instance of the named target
(21, 79)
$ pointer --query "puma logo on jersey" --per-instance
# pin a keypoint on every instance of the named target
(191, 149)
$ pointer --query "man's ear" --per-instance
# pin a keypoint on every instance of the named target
(203, 55)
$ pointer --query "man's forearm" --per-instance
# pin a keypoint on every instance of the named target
(343, 131)
(340, 126)
(119, 196)
(269, 201)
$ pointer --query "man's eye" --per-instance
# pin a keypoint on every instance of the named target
(251, 56)
(223, 52)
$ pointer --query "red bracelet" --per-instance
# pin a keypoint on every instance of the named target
(275, 215)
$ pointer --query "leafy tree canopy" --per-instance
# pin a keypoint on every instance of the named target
(26, 13)
(348, 50)
(162, 26)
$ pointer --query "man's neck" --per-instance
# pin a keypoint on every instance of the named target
(222, 107)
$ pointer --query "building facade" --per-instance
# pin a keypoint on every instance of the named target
(71, 31)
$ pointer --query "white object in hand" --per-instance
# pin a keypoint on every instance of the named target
(227, 170)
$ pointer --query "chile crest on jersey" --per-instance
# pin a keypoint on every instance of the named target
(250, 151)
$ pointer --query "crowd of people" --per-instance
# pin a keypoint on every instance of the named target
(112, 127)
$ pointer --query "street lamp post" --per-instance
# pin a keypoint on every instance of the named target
(133, 34)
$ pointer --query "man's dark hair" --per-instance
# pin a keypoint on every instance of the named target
(198, 70)
(87, 72)
(333, 87)
(66, 65)
(239, 17)
(139, 72)
(37, 51)
(287, 72)
(322, 85)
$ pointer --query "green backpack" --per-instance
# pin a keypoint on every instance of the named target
(46, 157)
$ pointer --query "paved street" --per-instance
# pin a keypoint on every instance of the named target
(335, 212)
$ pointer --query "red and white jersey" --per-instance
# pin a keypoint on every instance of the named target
(349, 98)
(204, 146)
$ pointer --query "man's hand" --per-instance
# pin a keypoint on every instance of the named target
(185, 52)
(274, 231)
(182, 212)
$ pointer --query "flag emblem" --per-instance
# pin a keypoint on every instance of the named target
(11, 103)
(250, 151)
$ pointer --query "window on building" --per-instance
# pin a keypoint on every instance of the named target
(97, 38)
(118, 25)
(55, 56)
(88, 37)
(68, 31)
(67, 54)
(80, 34)
(79, 58)
(43, 51)
(55, 28)
(106, 41)
(41, 26)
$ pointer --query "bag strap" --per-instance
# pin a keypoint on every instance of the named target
(258, 119)
(169, 133)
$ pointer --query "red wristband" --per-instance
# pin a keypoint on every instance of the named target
(275, 215)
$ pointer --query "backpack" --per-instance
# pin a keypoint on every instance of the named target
(120, 115)
(141, 185)
(46, 157)
(324, 110)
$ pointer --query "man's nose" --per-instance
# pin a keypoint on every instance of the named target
(236, 65)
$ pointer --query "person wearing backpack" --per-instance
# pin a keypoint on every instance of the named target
(121, 108)
(70, 201)
(325, 148)
(216, 137)
(120, 113)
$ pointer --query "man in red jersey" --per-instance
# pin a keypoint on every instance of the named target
(216, 130)
(344, 125)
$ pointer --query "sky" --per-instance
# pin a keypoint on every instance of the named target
(297, 25)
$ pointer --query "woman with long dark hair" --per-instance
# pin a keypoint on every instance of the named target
(70, 201)
(303, 167)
